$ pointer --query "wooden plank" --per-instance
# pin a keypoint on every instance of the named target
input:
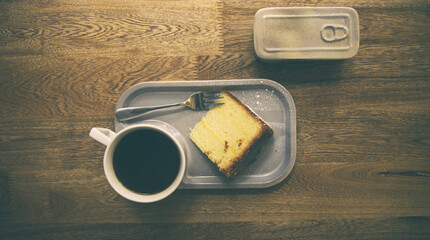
(50, 144)
(337, 120)
(314, 191)
(43, 86)
(413, 4)
(381, 27)
(121, 29)
(361, 228)
(153, 28)
(407, 62)
(70, 86)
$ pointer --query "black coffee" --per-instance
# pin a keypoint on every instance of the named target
(146, 161)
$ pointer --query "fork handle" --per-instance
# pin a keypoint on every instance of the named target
(124, 114)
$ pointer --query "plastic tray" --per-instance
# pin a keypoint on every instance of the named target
(268, 99)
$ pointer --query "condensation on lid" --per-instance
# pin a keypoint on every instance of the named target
(306, 33)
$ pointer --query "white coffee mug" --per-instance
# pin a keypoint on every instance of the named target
(111, 140)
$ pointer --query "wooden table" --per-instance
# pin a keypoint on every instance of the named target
(363, 124)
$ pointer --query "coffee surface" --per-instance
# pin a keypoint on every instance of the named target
(146, 161)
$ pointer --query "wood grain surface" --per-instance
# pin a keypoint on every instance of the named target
(363, 124)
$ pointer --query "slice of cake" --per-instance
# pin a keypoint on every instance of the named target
(229, 134)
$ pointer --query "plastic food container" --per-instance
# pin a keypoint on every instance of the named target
(306, 33)
(270, 100)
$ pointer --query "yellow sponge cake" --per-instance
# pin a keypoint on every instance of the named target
(228, 133)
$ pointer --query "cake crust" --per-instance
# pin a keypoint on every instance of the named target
(243, 160)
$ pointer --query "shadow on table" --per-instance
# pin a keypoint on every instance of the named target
(241, 191)
(302, 71)
(186, 203)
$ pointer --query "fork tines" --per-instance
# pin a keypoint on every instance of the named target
(210, 99)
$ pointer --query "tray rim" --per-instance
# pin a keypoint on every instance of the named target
(229, 83)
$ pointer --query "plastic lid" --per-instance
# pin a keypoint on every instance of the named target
(306, 33)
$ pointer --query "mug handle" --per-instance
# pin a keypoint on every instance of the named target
(102, 135)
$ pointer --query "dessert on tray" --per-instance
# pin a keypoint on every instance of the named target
(230, 135)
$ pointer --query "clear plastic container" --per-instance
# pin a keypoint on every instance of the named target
(306, 33)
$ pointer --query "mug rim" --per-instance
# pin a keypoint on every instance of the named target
(128, 193)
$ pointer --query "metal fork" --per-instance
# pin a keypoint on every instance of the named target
(197, 101)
